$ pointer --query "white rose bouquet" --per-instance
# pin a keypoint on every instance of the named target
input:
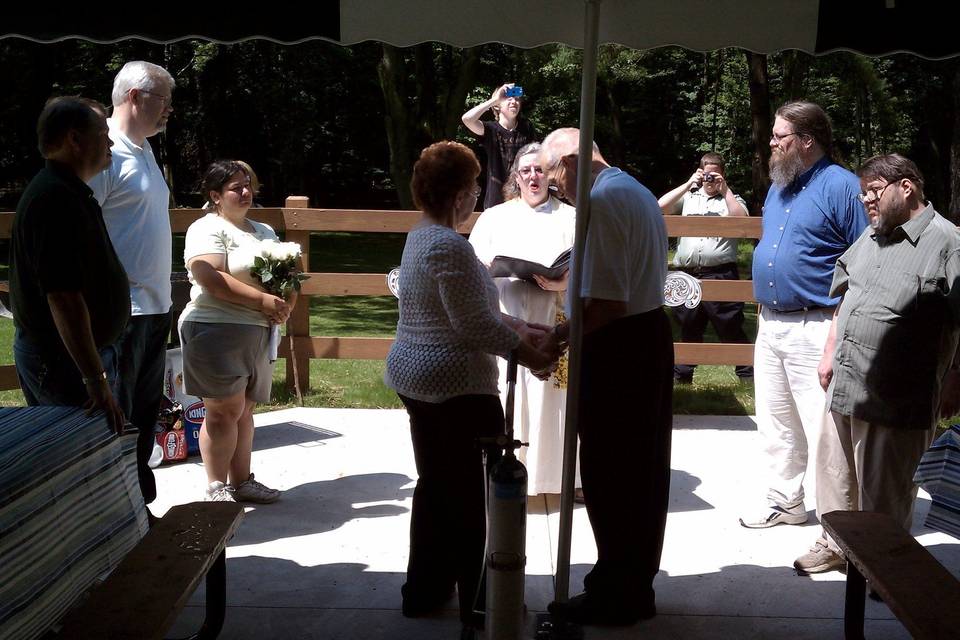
(275, 267)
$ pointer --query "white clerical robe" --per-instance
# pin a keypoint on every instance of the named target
(539, 234)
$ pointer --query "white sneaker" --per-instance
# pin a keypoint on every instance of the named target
(775, 514)
(252, 491)
(217, 492)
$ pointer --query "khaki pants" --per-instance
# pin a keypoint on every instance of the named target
(868, 467)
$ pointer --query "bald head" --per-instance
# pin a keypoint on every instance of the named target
(558, 157)
(560, 143)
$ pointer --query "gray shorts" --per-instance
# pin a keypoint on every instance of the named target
(221, 360)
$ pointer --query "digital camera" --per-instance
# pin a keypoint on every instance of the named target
(709, 177)
(515, 91)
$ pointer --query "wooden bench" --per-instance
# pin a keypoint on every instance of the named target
(71, 512)
(916, 588)
(142, 597)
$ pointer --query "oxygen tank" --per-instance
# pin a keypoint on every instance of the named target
(506, 558)
(507, 532)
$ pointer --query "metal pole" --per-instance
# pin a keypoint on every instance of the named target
(588, 94)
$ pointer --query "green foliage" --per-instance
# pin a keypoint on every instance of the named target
(313, 119)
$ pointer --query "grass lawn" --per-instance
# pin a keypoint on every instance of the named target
(359, 383)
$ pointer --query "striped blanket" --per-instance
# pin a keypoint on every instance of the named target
(939, 474)
(70, 509)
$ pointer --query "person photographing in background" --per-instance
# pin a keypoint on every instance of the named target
(501, 137)
(706, 193)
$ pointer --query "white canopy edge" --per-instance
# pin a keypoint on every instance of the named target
(762, 26)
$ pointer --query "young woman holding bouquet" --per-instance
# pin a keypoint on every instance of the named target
(443, 366)
(225, 332)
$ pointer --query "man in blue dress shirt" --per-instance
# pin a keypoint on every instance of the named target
(810, 217)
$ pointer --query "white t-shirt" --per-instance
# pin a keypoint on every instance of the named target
(625, 257)
(135, 200)
(208, 235)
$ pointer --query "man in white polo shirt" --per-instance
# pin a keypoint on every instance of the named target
(135, 202)
(625, 414)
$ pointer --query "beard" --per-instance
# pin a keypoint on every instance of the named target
(889, 218)
(785, 167)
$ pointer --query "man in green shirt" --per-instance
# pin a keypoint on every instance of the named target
(891, 350)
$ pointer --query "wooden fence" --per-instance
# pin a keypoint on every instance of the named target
(297, 221)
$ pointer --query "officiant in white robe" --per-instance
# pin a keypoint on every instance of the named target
(532, 225)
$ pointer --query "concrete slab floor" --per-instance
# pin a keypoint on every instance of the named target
(328, 559)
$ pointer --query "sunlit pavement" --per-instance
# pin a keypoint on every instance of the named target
(328, 559)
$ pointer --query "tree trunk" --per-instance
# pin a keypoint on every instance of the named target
(953, 206)
(425, 109)
(761, 128)
(717, 88)
(392, 74)
(466, 79)
(618, 156)
(795, 67)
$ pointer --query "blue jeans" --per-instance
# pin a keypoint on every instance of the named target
(50, 377)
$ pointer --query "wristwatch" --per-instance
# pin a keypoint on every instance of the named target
(94, 378)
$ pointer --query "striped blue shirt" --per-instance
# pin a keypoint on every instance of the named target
(806, 227)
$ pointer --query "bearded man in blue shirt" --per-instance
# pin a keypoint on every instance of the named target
(810, 217)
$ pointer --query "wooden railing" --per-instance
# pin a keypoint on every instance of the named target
(297, 221)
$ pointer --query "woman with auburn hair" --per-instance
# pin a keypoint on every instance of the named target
(443, 366)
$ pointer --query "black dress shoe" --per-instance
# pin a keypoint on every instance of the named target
(416, 604)
(596, 610)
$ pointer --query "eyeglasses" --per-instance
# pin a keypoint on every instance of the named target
(526, 172)
(865, 198)
(554, 178)
(777, 138)
(167, 100)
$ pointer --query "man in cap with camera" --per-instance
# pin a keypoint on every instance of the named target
(706, 193)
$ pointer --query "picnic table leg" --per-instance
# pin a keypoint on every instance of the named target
(216, 600)
(854, 604)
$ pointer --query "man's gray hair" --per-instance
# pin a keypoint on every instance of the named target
(560, 143)
(142, 75)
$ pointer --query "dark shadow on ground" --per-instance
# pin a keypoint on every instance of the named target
(948, 555)
(719, 423)
(279, 598)
(282, 434)
(749, 591)
(682, 496)
(324, 506)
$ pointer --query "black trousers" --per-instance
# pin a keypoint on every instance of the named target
(726, 318)
(625, 422)
(448, 525)
(142, 357)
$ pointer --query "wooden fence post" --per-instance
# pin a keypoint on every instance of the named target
(298, 364)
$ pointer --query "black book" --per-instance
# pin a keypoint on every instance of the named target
(507, 267)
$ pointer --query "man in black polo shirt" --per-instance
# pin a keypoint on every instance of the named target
(68, 290)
